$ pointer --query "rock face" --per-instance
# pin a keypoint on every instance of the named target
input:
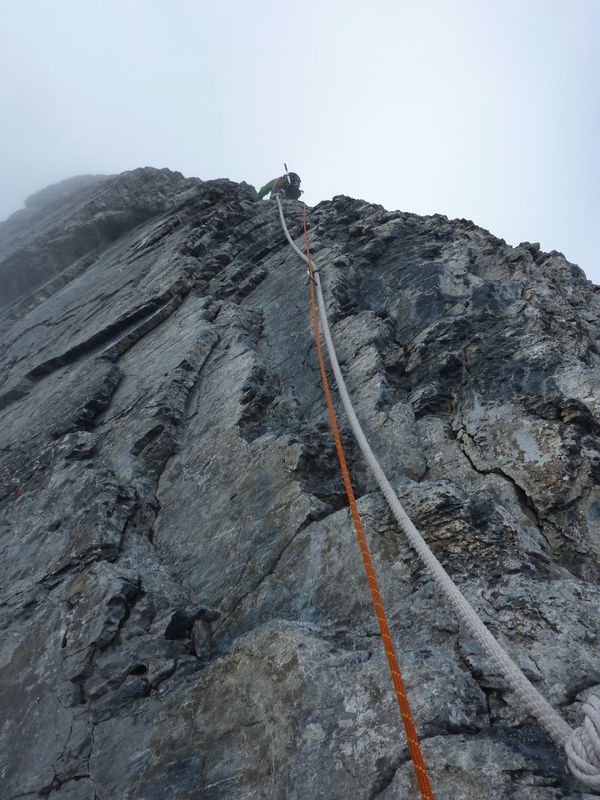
(183, 608)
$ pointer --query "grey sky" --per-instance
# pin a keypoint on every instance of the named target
(470, 108)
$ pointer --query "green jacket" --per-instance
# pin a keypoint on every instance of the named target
(264, 191)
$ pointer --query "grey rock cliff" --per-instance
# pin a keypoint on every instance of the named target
(183, 608)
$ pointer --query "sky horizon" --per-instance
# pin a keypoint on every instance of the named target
(484, 112)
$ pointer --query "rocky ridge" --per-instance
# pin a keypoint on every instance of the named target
(182, 602)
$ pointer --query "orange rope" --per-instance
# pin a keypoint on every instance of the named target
(409, 725)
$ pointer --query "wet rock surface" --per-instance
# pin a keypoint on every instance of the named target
(183, 608)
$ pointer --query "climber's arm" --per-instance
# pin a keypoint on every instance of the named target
(266, 189)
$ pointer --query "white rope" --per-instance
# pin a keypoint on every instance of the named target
(582, 745)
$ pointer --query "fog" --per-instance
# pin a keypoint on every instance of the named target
(487, 111)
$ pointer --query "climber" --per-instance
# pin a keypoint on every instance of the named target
(287, 186)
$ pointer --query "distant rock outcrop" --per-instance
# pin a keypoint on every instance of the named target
(182, 605)
(66, 227)
(63, 189)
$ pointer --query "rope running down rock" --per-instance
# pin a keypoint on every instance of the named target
(412, 738)
(582, 746)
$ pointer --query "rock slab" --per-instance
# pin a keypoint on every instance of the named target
(182, 603)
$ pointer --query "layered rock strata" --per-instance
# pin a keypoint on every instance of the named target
(183, 608)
